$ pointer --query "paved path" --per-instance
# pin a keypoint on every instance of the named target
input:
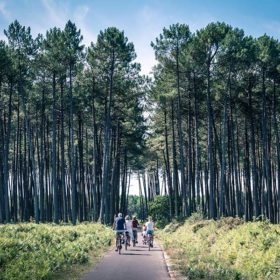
(137, 263)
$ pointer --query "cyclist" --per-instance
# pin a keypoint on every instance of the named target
(119, 226)
(150, 227)
(128, 224)
(144, 233)
(135, 225)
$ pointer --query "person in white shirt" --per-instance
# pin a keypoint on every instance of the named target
(149, 226)
(128, 224)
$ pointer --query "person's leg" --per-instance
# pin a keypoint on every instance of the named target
(135, 235)
(145, 236)
(117, 236)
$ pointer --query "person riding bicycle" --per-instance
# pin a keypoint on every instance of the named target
(150, 227)
(135, 225)
(128, 224)
(119, 226)
(144, 233)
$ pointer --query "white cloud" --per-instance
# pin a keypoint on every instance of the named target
(149, 25)
(4, 11)
(81, 12)
(80, 16)
(56, 14)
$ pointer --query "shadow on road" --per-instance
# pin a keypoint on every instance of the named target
(139, 250)
(158, 250)
(142, 247)
(135, 254)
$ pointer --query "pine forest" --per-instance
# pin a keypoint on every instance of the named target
(76, 122)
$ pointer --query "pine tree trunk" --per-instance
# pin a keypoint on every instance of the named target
(254, 170)
(145, 192)
(62, 152)
(224, 152)
(168, 172)
(72, 153)
(6, 155)
(277, 143)
(211, 213)
(197, 147)
(175, 168)
(104, 209)
(180, 136)
(190, 186)
(2, 152)
(54, 153)
(266, 164)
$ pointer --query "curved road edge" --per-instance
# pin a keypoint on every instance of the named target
(174, 274)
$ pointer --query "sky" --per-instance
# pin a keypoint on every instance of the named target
(141, 20)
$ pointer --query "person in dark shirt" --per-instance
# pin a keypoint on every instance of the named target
(135, 225)
(119, 226)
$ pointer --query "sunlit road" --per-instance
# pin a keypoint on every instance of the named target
(135, 263)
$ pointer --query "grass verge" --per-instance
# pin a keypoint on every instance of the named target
(46, 251)
(228, 249)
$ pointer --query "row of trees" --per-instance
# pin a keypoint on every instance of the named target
(72, 129)
(71, 124)
(215, 106)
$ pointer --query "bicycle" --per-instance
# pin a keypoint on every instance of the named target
(119, 241)
(126, 239)
(134, 237)
(150, 241)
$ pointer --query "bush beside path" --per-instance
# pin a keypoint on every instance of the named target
(228, 249)
(46, 251)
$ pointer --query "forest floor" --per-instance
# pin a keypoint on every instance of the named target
(136, 263)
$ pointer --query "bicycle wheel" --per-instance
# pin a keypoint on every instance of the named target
(125, 243)
(134, 237)
(120, 244)
(119, 249)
